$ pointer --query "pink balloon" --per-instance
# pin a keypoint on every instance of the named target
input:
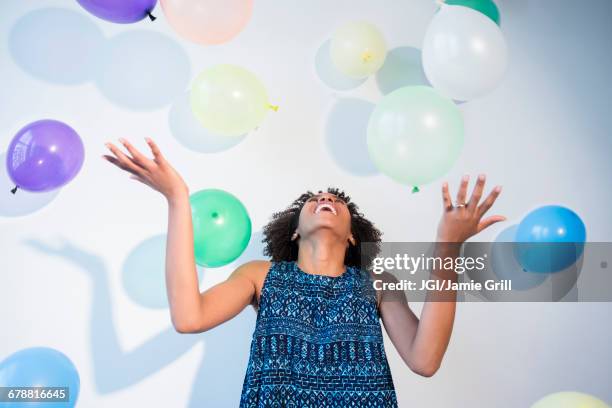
(208, 21)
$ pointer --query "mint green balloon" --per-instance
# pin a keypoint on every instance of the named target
(486, 7)
(221, 227)
(415, 135)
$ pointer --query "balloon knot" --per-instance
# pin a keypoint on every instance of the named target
(440, 2)
(14, 190)
(366, 56)
(415, 189)
(273, 107)
(151, 16)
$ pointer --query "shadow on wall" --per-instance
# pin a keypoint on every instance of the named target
(56, 45)
(143, 70)
(329, 75)
(346, 135)
(143, 273)
(219, 378)
(22, 202)
(139, 69)
(191, 134)
(403, 67)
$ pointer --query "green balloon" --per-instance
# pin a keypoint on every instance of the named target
(221, 227)
(415, 135)
(486, 7)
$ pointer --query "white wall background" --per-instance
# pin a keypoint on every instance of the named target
(543, 135)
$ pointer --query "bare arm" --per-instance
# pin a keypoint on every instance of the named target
(190, 310)
(181, 275)
(422, 342)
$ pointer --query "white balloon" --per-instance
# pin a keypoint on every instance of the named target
(464, 53)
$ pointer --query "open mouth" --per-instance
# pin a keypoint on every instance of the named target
(325, 207)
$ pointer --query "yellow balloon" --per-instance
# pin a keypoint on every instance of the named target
(229, 100)
(358, 49)
(570, 399)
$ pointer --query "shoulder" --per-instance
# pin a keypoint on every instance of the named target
(384, 278)
(253, 269)
(255, 273)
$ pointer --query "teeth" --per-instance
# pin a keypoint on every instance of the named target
(325, 205)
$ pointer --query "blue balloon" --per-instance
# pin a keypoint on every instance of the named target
(505, 265)
(120, 11)
(549, 239)
(40, 367)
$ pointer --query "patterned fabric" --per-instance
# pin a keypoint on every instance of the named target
(317, 343)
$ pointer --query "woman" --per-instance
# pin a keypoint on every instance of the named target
(318, 340)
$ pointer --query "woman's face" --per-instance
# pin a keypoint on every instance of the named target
(325, 211)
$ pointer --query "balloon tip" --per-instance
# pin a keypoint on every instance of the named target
(415, 189)
(151, 16)
(273, 107)
(366, 56)
(14, 190)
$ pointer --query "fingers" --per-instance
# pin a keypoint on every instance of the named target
(487, 222)
(137, 157)
(118, 163)
(446, 198)
(477, 193)
(155, 150)
(138, 178)
(126, 161)
(463, 189)
(488, 202)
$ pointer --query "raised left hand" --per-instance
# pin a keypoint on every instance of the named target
(464, 219)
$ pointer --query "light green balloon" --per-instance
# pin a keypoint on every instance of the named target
(570, 399)
(221, 227)
(229, 100)
(415, 135)
(358, 49)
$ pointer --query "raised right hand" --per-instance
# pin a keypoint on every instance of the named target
(157, 173)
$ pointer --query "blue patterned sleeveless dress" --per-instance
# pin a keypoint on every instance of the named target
(317, 343)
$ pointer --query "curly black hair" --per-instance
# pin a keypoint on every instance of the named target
(277, 233)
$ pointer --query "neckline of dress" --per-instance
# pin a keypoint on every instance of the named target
(314, 275)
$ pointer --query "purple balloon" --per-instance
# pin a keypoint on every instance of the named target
(44, 155)
(120, 11)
